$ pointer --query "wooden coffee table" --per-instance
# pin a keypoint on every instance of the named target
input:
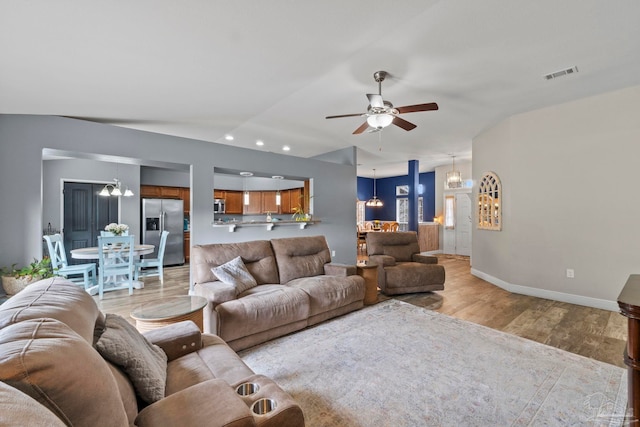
(168, 310)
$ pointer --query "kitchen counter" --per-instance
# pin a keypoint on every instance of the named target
(269, 225)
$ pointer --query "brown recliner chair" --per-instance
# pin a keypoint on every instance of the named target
(401, 268)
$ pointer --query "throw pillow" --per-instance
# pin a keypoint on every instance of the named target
(235, 273)
(144, 363)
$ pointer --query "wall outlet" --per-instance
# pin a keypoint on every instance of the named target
(570, 273)
(333, 253)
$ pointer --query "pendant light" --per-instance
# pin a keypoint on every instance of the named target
(278, 196)
(245, 193)
(454, 179)
(374, 201)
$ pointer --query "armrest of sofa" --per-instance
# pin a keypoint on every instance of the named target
(382, 260)
(215, 292)
(176, 339)
(424, 259)
(210, 403)
(335, 269)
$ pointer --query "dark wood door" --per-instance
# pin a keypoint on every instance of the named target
(85, 215)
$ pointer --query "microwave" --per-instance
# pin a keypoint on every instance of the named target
(218, 206)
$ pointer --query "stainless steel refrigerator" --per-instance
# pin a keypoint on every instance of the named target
(159, 215)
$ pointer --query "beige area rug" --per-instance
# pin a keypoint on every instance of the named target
(395, 364)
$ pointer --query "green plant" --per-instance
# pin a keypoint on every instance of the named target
(40, 269)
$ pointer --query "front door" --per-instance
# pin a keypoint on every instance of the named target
(463, 224)
(85, 214)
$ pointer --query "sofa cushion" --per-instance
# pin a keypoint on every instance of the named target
(327, 293)
(257, 256)
(236, 274)
(18, 409)
(300, 256)
(261, 308)
(48, 361)
(143, 362)
(214, 360)
(56, 298)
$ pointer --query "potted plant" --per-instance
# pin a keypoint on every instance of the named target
(14, 280)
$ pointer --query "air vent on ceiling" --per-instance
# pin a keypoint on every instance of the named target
(561, 73)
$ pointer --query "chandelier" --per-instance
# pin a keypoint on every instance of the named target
(374, 201)
(115, 190)
(454, 179)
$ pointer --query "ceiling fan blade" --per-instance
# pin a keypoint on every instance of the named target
(345, 115)
(403, 123)
(375, 100)
(362, 128)
(419, 107)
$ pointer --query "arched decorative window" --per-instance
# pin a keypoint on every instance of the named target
(490, 202)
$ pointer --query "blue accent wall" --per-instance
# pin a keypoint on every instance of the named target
(386, 191)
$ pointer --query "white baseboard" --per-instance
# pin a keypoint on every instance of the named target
(438, 251)
(547, 294)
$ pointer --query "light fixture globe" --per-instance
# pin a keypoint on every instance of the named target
(379, 121)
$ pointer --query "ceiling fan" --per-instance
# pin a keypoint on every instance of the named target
(381, 113)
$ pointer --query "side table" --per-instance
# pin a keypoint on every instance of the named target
(168, 310)
(369, 273)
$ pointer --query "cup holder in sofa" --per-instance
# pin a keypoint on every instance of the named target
(247, 389)
(263, 406)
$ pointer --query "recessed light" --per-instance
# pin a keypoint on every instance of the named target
(259, 143)
(277, 177)
(246, 173)
(286, 148)
(228, 137)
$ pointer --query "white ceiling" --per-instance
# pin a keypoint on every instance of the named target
(272, 70)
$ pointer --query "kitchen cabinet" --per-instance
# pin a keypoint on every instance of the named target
(255, 204)
(233, 202)
(185, 195)
(269, 202)
(219, 194)
(158, 191)
(187, 245)
(297, 199)
(285, 202)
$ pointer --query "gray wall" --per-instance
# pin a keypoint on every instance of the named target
(23, 138)
(568, 176)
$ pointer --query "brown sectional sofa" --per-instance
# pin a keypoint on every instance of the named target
(51, 373)
(297, 286)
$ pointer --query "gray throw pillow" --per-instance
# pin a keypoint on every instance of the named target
(235, 273)
(144, 363)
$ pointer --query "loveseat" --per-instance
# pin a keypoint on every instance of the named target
(56, 368)
(402, 269)
(296, 285)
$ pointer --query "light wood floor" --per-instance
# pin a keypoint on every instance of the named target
(594, 333)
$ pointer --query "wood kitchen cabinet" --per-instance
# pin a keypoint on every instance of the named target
(269, 202)
(219, 194)
(428, 237)
(159, 191)
(233, 202)
(285, 201)
(255, 204)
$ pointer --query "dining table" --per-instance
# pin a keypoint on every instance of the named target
(91, 252)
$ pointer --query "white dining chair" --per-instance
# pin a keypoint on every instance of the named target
(153, 266)
(115, 263)
(105, 233)
(58, 255)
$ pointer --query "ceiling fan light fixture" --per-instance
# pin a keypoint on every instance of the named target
(379, 121)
